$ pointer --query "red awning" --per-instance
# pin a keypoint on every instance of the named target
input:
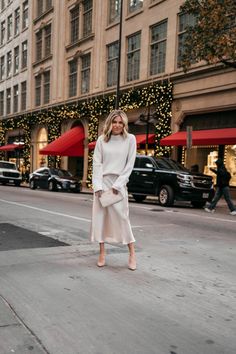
(70, 143)
(11, 147)
(140, 139)
(225, 136)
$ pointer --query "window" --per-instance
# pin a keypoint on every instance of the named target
(24, 50)
(2, 67)
(158, 48)
(135, 5)
(39, 7)
(15, 98)
(46, 84)
(74, 25)
(1, 103)
(3, 4)
(73, 77)
(9, 27)
(87, 17)
(43, 6)
(3, 31)
(48, 4)
(38, 80)
(112, 63)
(47, 40)
(85, 73)
(39, 45)
(9, 63)
(16, 60)
(23, 95)
(114, 11)
(43, 43)
(184, 21)
(8, 101)
(42, 81)
(133, 57)
(25, 15)
(17, 22)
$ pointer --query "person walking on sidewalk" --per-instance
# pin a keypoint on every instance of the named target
(113, 161)
(222, 188)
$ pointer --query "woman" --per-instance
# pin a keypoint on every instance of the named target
(113, 161)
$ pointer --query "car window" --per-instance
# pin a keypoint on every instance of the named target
(54, 172)
(136, 164)
(170, 164)
(176, 165)
(44, 172)
(146, 163)
(161, 164)
(60, 173)
(7, 165)
(64, 173)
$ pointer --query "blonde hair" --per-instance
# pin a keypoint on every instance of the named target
(107, 130)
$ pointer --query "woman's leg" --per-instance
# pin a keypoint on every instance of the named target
(132, 258)
(101, 259)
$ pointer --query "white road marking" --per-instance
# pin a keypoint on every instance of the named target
(201, 216)
(140, 207)
(46, 211)
(182, 213)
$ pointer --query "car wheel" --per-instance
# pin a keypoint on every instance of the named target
(166, 196)
(51, 186)
(32, 185)
(139, 198)
(198, 204)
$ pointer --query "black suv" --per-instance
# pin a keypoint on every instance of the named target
(170, 181)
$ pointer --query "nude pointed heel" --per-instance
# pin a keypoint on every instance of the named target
(101, 262)
(132, 263)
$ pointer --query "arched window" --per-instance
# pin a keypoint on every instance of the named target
(42, 141)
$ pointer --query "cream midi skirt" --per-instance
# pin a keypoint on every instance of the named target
(111, 224)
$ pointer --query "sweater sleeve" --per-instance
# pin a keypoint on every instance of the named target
(97, 167)
(123, 178)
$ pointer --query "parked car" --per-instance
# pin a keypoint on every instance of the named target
(170, 181)
(54, 179)
(9, 173)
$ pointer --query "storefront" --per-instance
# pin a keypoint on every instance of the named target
(13, 151)
(213, 136)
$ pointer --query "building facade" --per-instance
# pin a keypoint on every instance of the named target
(58, 70)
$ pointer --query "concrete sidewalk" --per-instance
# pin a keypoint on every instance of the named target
(15, 337)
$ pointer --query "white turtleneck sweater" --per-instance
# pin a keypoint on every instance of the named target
(117, 156)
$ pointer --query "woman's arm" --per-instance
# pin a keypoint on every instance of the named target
(123, 179)
(97, 167)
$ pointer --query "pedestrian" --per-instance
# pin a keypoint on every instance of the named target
(222, 188)
(113, 161)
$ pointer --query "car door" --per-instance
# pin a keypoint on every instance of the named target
(42, 178)
(145, 176)
(133, 181)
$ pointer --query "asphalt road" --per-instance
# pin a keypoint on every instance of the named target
(53, 298)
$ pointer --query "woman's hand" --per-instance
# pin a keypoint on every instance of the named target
(115, 191)
(98, 194)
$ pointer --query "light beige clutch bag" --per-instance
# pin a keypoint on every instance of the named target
(108, 198)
